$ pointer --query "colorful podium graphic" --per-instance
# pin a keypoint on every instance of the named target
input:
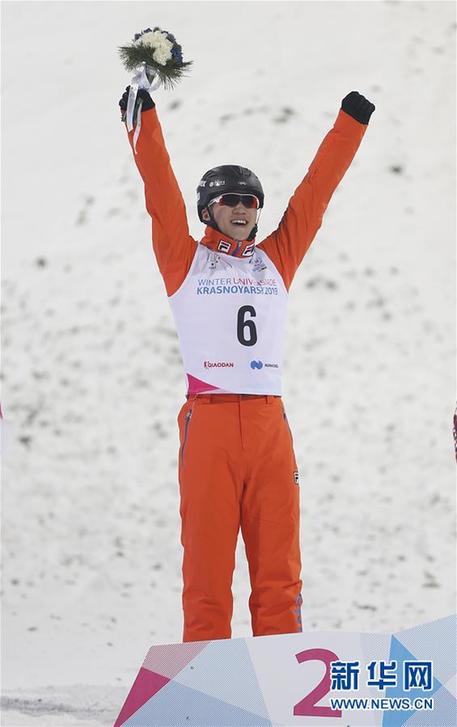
(314, 678)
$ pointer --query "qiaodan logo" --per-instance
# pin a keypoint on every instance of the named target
(218, 364)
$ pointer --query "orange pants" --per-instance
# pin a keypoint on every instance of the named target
(237, 468)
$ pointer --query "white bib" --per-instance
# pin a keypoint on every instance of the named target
(230, 314)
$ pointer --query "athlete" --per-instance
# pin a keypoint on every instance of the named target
(228, 295)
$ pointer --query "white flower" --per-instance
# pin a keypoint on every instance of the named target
(161, 58)
(159, 41)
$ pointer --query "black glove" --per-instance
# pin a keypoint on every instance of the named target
(142, 94)
(358, 107)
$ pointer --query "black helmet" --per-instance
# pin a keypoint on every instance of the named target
(227, 178)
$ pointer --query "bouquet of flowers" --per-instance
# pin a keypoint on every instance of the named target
(155, 57)
(159, 52)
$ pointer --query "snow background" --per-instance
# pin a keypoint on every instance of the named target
(92, 376)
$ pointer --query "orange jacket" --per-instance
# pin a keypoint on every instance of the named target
(173, 245)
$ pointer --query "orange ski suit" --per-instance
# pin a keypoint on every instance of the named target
(237, 467)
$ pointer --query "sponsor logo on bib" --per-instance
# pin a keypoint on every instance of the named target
(260, 365)
(218, 364)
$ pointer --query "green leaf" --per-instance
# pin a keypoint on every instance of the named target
(134, 55)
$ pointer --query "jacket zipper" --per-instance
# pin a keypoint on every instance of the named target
(186, 428)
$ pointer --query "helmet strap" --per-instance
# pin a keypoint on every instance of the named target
(255, 229)
(253, 233)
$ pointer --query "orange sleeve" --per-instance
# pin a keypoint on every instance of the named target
(173, 246)
(287, 245)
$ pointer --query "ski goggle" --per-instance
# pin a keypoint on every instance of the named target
(228, 199)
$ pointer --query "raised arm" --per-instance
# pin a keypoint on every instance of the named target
(173, 246)
(287, 245)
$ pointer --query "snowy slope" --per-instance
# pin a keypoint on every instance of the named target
(92, 375)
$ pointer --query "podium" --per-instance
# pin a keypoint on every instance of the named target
(333, 679)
